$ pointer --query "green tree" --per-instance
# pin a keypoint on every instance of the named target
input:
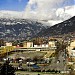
(7, 69)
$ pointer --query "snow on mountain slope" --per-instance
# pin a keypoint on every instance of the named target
(19, 28)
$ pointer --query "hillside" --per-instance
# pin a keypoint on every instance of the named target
(65, 27)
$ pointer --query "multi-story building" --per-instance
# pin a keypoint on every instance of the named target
(27, 44)
(71, 47)
(8, 44)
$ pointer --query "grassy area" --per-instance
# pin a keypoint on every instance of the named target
(33, 54)
(28, 54)
(34, 73)
(49, 54)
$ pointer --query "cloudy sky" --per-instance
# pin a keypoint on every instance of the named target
(53, 10)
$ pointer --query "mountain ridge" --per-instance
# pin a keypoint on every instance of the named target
(62, 28)
(19, 28)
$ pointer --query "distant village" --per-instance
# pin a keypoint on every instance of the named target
(48, 49)
(40, 43)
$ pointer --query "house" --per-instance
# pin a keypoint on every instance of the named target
(28, 44)
(71, 46)
(72, 52)
(52, 44)
(8, 44)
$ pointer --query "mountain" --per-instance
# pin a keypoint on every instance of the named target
(65, 27)
(19, 28)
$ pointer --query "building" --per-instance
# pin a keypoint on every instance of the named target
(71, 47)
(27, 44)
(8, 44)
(41, 46)
(73, 52)
(52, 44)
(2, 42)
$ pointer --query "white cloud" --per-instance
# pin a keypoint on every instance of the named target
(53, 22)
(51, 10)
(10, 14)
(56, 10)
(66, 12)
(43, 9)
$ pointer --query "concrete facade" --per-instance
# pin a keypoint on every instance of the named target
(28, 44)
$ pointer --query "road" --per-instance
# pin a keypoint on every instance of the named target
(58, 64)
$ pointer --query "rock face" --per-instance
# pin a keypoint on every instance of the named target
(65, 27)
(19, 28)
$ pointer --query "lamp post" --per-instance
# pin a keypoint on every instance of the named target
(7, 54)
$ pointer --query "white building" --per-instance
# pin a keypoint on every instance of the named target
(8, 44)
(52, 43)
(45, 45)
(70, 48)
(73, 53)
(28, 44)
(42, 46)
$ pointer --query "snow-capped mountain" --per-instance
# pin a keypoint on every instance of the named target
(19, 28)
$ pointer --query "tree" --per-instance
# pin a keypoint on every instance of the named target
(72, 72)
(2, 42)
(7, 69)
